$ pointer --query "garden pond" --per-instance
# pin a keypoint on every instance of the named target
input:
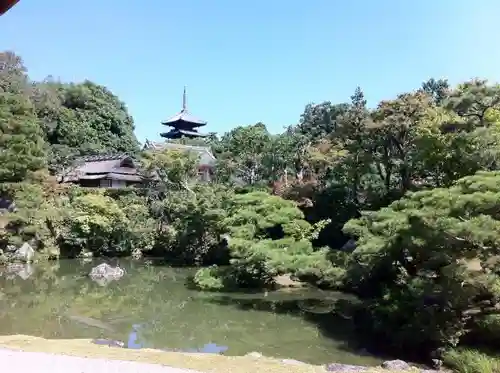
(151, 306)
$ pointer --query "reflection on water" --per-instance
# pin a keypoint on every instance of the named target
(151, 307)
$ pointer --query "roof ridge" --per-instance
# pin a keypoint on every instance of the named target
(103, 157)
(188, 145)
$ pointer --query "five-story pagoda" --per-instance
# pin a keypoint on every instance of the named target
(183, 124)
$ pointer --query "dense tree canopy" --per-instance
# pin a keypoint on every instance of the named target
(23, 149)
(396, 203)
(75, 118)
(432, 256)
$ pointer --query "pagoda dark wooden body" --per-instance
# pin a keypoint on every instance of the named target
(183, 124)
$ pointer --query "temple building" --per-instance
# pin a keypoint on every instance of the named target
(102, 171)
(183, 124)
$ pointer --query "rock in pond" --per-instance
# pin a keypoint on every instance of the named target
(394, 365)
(104, 274)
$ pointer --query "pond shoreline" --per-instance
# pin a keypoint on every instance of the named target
(196, 361)
(151, 307)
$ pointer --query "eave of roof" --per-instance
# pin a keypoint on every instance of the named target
(180, 132)
(186, 117)
(111, 176)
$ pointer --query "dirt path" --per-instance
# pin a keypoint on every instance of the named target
(42, 362)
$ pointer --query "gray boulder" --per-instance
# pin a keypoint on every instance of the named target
(396, 365)
(25, 253)
(103, 274)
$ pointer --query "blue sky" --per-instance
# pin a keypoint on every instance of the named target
(261, 60)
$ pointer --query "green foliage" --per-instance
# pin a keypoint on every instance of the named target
(21, 141)
(267, 237)
(40, 207)
(191, 226)
(189, 215)
(471, 361)
(473, 100)
(251, 143)
(414, 259)
(97, 222)
(319, 121)
(86, 117)
(73, 118)
(170, 168)
(13, 77)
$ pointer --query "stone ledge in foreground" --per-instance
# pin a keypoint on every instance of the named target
(197, 362)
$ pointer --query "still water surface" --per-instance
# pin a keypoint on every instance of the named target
(152, 307)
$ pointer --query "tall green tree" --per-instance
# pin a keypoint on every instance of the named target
(23, 149)
(438, 90)
(473, 100)
(91, 119)
(241, 153)
(320, 120)
(13, 74)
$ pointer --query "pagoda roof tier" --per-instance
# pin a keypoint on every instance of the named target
(178, 133)
(184, 120)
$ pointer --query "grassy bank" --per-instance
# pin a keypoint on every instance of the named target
(472, 361)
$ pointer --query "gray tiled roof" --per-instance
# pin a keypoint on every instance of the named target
(118, 166)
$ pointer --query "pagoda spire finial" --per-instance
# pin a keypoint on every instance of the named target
(184, 103)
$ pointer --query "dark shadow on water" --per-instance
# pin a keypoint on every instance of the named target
(326, 315)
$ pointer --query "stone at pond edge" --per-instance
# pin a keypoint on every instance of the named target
(136, 254)
(109, 342)
(104, 273)
(286, 281)
(345, 368)
(25, 253)
(396, 365)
